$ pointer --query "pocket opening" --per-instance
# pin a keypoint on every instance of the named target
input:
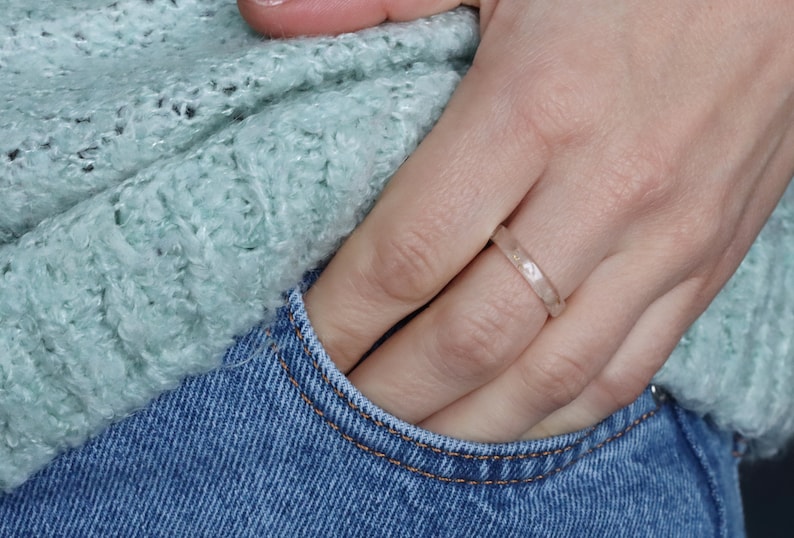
(331, 397)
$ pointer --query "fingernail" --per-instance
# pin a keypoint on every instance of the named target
(269, 3)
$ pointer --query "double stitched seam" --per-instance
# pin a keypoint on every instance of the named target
(409, 439)
(505, 482)
(703, 462)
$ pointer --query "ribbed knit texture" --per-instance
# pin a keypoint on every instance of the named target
(165, 174)
(736, 363)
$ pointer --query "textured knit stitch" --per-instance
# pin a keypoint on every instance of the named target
(158, 193)
(736, 363)
(165, 173)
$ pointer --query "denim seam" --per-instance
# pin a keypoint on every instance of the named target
(700, 457)
(505, 482)
(478, 457)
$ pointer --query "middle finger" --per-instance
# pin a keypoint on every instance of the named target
(488, 316)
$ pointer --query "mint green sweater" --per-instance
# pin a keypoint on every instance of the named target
(165, 173)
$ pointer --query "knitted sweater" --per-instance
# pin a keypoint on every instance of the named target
(165, 174)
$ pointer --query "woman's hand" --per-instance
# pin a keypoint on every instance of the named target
(634, 148)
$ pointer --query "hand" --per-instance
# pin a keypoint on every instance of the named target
(634, 148)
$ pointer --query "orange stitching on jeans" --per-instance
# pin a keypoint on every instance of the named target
(413, 441)
(427, 474)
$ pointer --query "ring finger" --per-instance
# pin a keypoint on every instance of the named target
(565, 357)
(486, 317)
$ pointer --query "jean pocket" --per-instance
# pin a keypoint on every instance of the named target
(328, 395)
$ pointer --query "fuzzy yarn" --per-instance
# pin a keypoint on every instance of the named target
(165, 174)
(736, 363)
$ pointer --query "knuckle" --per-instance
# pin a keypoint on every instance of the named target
(695, 236)
(405, 266)
(694, 233)
(558, 377)
(624, 388)
(637, 178)
(555, 106)
(626, 395)
(468, 342)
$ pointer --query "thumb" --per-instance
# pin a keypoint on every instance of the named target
(284, 18)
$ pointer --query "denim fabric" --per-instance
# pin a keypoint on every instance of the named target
(279, 443)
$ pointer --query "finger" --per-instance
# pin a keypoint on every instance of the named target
(569, 352)
(282, 18)
(639, 357)
(436, 214)
(662, 326)
(466, 337)
(487, 317)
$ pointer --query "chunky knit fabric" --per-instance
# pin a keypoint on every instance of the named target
(165, 174)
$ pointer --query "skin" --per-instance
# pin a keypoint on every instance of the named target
(634, 148)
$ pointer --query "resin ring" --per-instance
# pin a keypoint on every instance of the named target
(522, 261)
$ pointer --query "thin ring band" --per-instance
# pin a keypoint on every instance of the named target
(533, 274)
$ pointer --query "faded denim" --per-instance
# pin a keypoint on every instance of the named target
(279, 443)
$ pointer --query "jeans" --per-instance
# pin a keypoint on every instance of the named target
(279, 443)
